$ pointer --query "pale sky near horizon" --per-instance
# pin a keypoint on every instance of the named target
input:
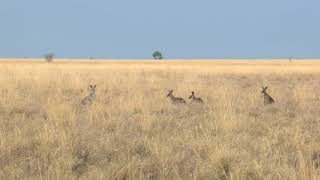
(127, 29)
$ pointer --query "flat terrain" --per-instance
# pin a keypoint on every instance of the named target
(133, 131)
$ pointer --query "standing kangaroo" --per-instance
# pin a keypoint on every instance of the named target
(175, 100)
(90, 98)
(194, 98)
(267, 98)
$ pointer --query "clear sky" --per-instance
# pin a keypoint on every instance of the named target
(178, 28)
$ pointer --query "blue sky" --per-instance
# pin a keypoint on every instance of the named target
(179, 28)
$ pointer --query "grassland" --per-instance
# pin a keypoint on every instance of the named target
(132, 131)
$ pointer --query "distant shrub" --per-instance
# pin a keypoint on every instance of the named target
(157, 55)
(49, 57)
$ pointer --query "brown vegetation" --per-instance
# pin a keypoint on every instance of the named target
(133, 131)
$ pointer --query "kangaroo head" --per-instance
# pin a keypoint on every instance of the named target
(170, 93)
(93, 88)
(192, 95)
(264, 90)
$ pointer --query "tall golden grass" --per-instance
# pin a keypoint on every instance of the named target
(132, 131)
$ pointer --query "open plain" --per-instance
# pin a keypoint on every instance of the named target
(133, 131)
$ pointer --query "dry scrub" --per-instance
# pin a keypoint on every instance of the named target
(132, 131)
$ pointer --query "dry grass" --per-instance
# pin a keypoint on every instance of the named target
(132, 131)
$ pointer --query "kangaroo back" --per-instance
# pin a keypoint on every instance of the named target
(177, 100)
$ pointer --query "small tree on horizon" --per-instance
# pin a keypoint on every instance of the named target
(49, 57)
(157, 55)
(290, 59)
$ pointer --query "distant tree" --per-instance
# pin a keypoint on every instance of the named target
(49, 57)
(290, 59)
(157, 55)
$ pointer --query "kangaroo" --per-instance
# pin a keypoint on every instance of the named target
(90, 98)
(194, 98)
(175, 100)
(267, 98)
